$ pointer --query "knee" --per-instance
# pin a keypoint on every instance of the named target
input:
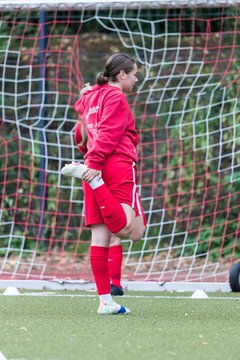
(137, 234)
(125, 232)
(115, 241)
(132, 232)
(130, 220)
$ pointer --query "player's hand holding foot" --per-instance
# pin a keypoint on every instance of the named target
(90, 174)
(81, 171)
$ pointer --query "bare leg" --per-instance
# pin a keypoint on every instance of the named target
(100, 235)
(138, 229)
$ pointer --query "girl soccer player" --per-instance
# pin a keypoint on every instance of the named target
(115, 253)
(115, 249)
(112, 204)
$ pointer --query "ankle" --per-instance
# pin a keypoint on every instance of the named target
(106, 298)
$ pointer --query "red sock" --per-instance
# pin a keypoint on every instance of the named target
(115, 264)
(99, 264)
(112, 211)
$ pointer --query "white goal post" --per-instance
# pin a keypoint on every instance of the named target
(188, 116)
(75, 4)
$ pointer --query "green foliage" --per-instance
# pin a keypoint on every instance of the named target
(206, 194)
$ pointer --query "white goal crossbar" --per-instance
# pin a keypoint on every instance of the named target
(75, 4)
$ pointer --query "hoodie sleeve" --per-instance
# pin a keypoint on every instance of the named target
(112, 125)
(79, 106)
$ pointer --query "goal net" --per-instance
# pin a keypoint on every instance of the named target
(187, 113)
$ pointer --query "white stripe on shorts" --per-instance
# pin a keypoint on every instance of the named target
(138, 204)
(134, 186)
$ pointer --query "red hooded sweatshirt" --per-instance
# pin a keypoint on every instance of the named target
(109, 123)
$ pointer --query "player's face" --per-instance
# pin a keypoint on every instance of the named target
(129, 80)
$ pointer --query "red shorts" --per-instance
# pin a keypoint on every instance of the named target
(120, 175)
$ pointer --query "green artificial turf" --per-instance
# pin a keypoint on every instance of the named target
(68, 328)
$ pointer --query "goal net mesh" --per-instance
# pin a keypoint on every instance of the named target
(187, 114)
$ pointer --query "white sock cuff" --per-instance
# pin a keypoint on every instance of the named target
(96, 182)
(107, 298)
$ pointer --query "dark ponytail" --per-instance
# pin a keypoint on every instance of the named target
(101, 79)
(114, 64)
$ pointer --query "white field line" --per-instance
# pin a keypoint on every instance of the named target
(2, 357)
(55, 294)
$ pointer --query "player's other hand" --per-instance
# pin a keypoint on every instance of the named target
(85, 88)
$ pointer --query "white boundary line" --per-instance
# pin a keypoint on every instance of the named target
(2, 357)
(59, 284)
(55, 294)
